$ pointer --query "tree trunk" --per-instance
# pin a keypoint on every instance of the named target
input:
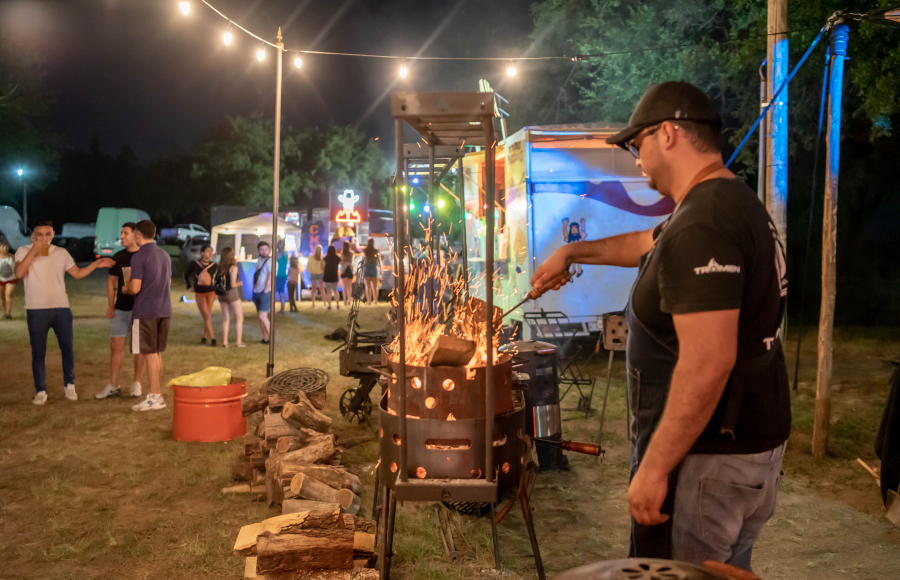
(317, 398)
(319, 449)
(254, 402)
(290, 506)
(336, 477)
(277, 427)
(301, 413)
(314, 549)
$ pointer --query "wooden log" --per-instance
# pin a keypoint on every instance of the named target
(357, 573)
(301, 413)
(290, 506)
(274, 494)
(244, 488)
(277, 400)
(335, 477)
(250, 569)
(334, 459)
(242, 470)
(293, 523)
(317, 398)
(252, 444)
(308, 488)
(254, 402)
(348, 442)
(285, 444)
(276, 427)
(310, 550)
(258, 461)
(261, 429)
(253, 421)
(317, 450)
(451, 351)
(258, 477)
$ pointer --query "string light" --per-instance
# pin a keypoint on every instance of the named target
(412, 206)
(441, 202)
(261, 54)
(511, 71)
(297, 62)
(427, 209)
(185, 8)
(403, 70)
(226, 38)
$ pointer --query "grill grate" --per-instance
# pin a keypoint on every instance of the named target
(306, 380)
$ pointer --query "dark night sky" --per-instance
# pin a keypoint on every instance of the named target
(137, 72)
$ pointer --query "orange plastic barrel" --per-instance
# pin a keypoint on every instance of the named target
(209, 413)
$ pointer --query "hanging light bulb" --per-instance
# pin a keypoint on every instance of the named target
(511, 71)
(441, 202)
(226, 38)
(403, 69)
(261, 54)
(185, 8)
(297, 62)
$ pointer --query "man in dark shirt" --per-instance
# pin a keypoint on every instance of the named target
(151, 283)
(119, 315)
(706, 375)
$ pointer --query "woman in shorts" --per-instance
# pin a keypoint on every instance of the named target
(347, 254)
(371, 271)
(316, 268)
(8, 280)
(199, 277)
(332, 267)
(231, 302)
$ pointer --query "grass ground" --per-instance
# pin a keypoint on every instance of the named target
(91, 490)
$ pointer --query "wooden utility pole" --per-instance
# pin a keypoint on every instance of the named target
(839, 38)
(777, 123)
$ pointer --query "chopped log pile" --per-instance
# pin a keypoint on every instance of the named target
(309, 545)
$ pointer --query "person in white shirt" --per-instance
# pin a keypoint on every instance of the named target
(42, 267)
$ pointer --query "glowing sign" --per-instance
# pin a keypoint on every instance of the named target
(348, 214)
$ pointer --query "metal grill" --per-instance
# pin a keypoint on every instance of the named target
(306, 380)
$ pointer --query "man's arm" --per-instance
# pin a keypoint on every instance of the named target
(111, 296)
(79, 273)
(621, 250)
(707, 350)
(23, 266)
(132, 288)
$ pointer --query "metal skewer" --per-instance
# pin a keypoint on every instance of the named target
(534, 294)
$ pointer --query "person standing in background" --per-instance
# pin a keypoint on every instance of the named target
(262, 289)
(199, 278)
(330, 276)
(316, 268)
(281, 276)
(42, 267)
(151, 286)
(8, 280)
(119, 315)
(371, 271)
(347, 272)
(231, 302)
(294, 283)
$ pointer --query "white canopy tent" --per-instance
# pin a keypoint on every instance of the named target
(246, 233)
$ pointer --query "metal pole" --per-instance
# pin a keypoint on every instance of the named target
(462, 212)
(489, 299)
(839, 39)
(270, 367)
(777, 146)
(432, 227)
(399, 286)
(763, 101)
(25, 203)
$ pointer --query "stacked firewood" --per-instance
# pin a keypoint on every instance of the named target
(309, 545)
(292, 456)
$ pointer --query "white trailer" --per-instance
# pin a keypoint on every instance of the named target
(555, 185)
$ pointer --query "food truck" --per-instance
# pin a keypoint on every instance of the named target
(556, 185)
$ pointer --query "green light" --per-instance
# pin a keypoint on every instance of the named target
(412, 206)
(468, 215)
(441, 202)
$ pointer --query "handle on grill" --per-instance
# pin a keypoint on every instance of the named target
(575, 446)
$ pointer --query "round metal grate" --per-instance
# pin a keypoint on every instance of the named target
(306, 380)
(640, 569)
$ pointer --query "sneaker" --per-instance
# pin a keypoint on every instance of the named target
(70, 392)
(135, 389)
(264, 341)
(40, 398)
(151, 403)
(109, 392)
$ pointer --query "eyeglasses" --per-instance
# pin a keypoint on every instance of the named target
(633, 146)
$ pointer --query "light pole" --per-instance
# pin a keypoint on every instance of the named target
(21, 173)
(270, 367)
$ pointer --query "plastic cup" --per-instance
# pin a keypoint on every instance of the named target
(126, 274)
(45, 251)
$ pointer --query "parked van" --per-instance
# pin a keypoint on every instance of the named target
(12, 228)
(73, 230)
(109, 226)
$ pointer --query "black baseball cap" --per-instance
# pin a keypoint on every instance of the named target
(669, 101)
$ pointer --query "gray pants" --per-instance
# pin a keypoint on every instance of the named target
(721, 505)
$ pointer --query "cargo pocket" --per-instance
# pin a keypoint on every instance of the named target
(723, 509)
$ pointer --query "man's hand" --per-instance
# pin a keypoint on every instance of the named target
(126, 290)
(553, 273)
(646, 495)
(111, 312)
(38, 244)
(104, 263)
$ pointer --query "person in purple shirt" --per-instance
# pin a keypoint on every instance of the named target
(151, 281)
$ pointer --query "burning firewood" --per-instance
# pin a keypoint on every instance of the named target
(450, 351)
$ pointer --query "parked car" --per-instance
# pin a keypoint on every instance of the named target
(190, 250)
(12, 229)
(81, 249)
(184, 231)
(109, 227)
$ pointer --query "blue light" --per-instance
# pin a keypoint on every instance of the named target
(20, 172)
(427, 209)
(415, 181)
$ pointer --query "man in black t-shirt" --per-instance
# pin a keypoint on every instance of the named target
(706, 376)
(119, 315)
